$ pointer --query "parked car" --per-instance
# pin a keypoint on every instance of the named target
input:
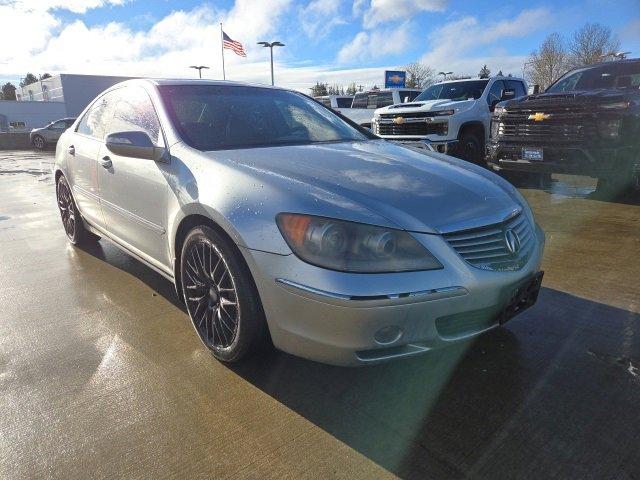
(449, 117)
(365, 103)
(41, 137)
(586, 123)
(279, 221)
(336, 101)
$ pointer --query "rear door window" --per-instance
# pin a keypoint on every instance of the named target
(95, 120)
(384, 99)
(518, 86)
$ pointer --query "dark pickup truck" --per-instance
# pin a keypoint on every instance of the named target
(586, 123)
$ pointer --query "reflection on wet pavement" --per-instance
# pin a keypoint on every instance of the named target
(102, 375)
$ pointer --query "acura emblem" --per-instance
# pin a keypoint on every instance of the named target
(512, 241)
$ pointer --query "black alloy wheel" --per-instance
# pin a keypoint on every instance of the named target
(67, 209)
(471, 148)
(220, 296)
(71, 219)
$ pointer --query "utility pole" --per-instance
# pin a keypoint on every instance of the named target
(271, 45)
(199, 68)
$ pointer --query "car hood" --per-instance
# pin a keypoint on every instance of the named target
(426, 106)
(429, 193)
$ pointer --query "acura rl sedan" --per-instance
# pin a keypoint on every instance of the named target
(279, 221)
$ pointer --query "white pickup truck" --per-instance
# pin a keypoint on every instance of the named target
(365, 103)
(450, 117)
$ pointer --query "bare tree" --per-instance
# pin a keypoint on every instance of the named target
(548, 63)
(589, 43)
(419, 75)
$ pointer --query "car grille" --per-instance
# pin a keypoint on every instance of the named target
(486, 247)
(568, 123)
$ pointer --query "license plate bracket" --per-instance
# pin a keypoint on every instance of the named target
(533, 154)
(521, 298)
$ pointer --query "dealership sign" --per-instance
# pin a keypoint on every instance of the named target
(395, 79)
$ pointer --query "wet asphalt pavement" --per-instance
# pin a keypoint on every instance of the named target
(102, 375)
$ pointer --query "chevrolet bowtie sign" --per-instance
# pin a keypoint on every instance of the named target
(539, 116)
(398, 120)
(395, 79)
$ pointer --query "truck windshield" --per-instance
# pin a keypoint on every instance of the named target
(454, 91)
(610, 75)
(214, 117)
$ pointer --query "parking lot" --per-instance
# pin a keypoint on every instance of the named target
(102, 375)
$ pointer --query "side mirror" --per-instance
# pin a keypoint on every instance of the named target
(534, 89)
(134, 144)
(508, 94)
(406, 99)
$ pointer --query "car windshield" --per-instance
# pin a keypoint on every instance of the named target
(454, 91)
(215, 117)
(611, 75)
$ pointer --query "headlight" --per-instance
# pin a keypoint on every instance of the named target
(353, 247)
(443, 113)
(609, 128)
(615, 106)
(495, 124)
(499, 110)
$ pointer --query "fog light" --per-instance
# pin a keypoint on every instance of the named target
(387, 335)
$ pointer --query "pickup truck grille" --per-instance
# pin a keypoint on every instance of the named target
(414, 128)
(565, 123)
(486, 247)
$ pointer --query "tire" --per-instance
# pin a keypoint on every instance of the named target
(38, 142)
(471, 148)
(71, 220)
(220, 295)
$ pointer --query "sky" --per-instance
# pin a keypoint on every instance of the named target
(332, 41)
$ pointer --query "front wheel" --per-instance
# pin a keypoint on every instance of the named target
(471, 148)
(38, 142)
(220, 296)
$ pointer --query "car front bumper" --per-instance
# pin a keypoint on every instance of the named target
(356, 319)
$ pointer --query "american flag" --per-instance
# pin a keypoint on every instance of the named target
(233, 45)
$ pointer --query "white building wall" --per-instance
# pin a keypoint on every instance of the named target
(33, 114)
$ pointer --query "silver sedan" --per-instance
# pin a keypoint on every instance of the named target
(281, 222)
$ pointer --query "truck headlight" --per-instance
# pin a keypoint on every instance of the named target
(499, 110)
(444, 113)
(609, 128)
(495, 125)
(353, 247)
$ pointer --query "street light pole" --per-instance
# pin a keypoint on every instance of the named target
(199, 68)
(271, 45)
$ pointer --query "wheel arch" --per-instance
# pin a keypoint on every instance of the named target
(474, 126)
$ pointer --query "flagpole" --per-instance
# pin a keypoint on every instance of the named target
(222, 51)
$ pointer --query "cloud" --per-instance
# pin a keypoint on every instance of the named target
(370, 45)
(465, 44)
(375, 12)
(319, 17)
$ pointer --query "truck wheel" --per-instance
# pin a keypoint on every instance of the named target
(471, 148)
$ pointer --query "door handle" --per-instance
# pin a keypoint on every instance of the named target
(105, 162)
(71, 150)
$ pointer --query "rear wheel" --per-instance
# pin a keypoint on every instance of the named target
(71, 220)
(220, 296)
(471, 147)
(38, 142)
